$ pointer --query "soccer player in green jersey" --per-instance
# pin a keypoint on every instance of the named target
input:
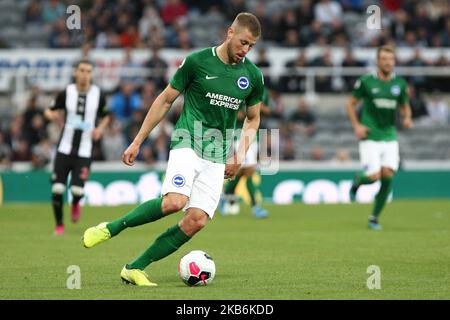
(215, 82)
(230, 203)
(381, 93)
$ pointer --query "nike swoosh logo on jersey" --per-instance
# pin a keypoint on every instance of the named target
(209, 78)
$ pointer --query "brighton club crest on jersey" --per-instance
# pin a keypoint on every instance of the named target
(243, 83)
(178, 181)
(395, 90)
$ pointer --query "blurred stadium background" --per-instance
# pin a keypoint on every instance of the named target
(311, 52)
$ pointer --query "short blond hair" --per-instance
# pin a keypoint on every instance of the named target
(248, 21)
(385, 48)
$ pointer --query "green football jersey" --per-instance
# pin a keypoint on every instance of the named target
(379, 104)
(213, 93)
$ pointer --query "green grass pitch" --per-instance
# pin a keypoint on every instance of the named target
(300, 252)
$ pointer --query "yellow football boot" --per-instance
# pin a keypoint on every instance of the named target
(95, 235)
(136, 277)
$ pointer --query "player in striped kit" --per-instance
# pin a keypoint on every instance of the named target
(85, 117)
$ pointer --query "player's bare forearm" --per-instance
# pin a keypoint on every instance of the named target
(104, 123)
(50, 115)
(351, 111)
(98, 131)
(249, 130)
(265, 110)
(405, 110)
(251, 125)
(359, 130)
(156, 113)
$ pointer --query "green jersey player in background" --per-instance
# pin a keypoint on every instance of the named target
(230, 202)
(215, 82)
(381, 93)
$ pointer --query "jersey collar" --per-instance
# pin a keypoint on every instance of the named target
(237, 65)
(375, 74)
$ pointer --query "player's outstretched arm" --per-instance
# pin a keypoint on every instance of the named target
(360, 130)
(154, 115)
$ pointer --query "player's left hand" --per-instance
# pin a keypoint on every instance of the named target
(407, 123)
(231, 170)
(130, 154)
(97, 134)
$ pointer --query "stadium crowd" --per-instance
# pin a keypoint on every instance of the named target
(201, 23)
(189, 24)
(29, 137)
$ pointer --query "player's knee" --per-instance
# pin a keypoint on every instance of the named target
(198, 223)
(193, 222)
(58, 188)
(374, 177)
(387, 172)
(77, 191)
(173, 203)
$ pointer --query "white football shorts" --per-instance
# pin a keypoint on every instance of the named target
(377, 154)
(199, 179)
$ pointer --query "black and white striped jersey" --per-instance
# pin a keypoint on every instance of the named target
(82, 109)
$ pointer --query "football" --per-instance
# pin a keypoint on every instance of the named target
(197, 268)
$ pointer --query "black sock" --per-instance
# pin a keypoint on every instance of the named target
(57, 201)
(373, 219)
(76, 199)
(229, 190)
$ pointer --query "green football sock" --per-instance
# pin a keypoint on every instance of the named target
(231, 185)
(363, 179)
(251, 190)
(146, 212)
(382, 195)
(167, 243)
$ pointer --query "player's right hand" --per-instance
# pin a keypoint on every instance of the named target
(130, 154)
(361, 131)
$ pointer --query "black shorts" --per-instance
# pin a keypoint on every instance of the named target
(79, 168)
